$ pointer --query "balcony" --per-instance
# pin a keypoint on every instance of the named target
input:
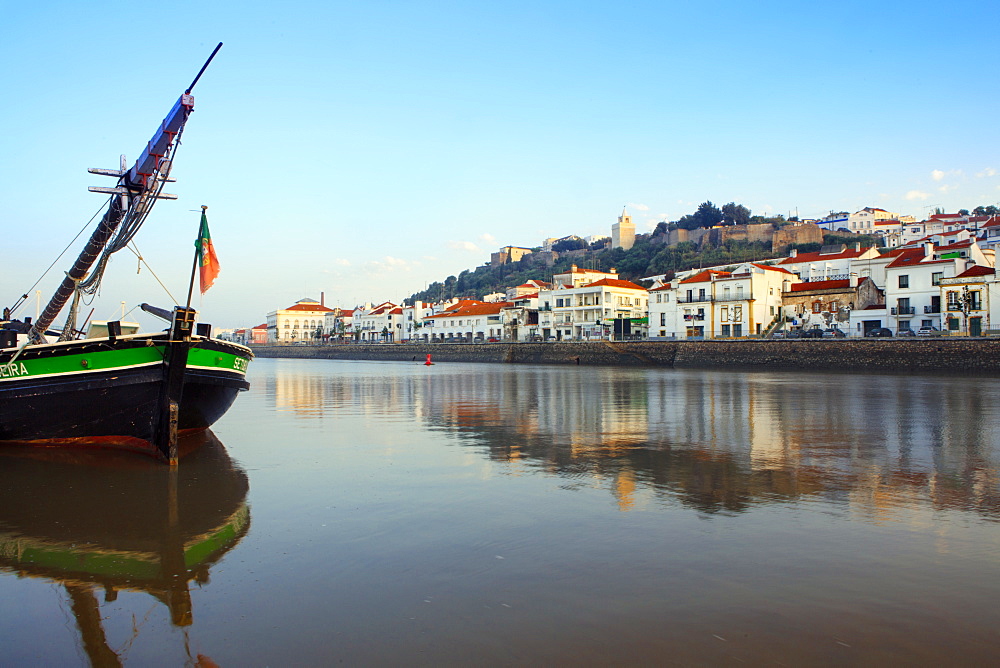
(932, 309)
(696, 300)
(694, 317)
(902, 310)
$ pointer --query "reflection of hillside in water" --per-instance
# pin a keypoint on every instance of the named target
(714, 440)
(109, 522)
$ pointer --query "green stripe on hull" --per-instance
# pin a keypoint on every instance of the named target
(122, 358)
(203, 358)
(101, 360)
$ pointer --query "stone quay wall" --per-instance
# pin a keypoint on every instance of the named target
(951, 355)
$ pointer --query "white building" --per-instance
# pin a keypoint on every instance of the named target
(413, 320)
(585, 304)
(969, 301)
(339, 324)
(863, 221)
(913, 278)
(714, 303)
(831, 263)
(382, 323)
(468, 320)
(302, 321)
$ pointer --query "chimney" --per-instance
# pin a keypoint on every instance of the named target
(572, 269)
(322, 299)
(857, 245)
(794, 253)
(929, 249)
(853, 280)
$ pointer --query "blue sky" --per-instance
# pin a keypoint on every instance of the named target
(365, 149)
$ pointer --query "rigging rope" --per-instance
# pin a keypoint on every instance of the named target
(20, 301)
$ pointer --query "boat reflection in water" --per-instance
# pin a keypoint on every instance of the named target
(113, 522)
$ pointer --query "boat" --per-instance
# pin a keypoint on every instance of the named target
(112, 386)
(178, 523)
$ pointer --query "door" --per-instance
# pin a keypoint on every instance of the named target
(975, 326)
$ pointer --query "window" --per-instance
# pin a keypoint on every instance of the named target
(725, 330)
(974, 302)
(904, 281)
(817, 306)
(690, 295)
(936, 277)
(701, 294)
(663, 320)
(725, 292)
(737, 330)
(725, 314)
(739, 292)
(954, 303)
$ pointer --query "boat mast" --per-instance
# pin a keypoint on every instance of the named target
(137, 190)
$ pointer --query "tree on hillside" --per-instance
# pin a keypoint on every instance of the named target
(569, 245)
(708, 215)
(735, 214)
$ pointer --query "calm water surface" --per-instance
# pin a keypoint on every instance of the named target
(391, 513)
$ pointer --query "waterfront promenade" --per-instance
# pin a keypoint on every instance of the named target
(949, 355)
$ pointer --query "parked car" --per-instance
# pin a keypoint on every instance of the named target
(833, 333)
(794, 334)
(814, 333)
(905, 331)
(928, 330)
(780, 335)
(879, 331)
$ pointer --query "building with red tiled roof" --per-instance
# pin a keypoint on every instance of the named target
(969, 301)
(913, 292)
(829, 304)
(588, 304)
(302, 321)
(379, 323)
(830, 263)
(259, 334)
(468, 320)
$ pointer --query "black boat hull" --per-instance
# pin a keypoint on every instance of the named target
(79, 403)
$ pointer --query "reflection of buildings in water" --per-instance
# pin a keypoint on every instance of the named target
(119, 523)
(714, 440)
(723, 440)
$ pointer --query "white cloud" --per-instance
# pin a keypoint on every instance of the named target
(388, 263)
(464, 246)
(637, 206)
(937, 175)
(989, 171)
(342, 262)
(947, 188)
(487, 238)
(916, 194)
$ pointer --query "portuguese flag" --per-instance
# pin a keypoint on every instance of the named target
(208, 261)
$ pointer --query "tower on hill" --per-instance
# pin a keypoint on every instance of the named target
(623, 232)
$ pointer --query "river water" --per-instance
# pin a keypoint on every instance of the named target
(373, 513)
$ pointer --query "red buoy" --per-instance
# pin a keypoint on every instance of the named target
(428, 362)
